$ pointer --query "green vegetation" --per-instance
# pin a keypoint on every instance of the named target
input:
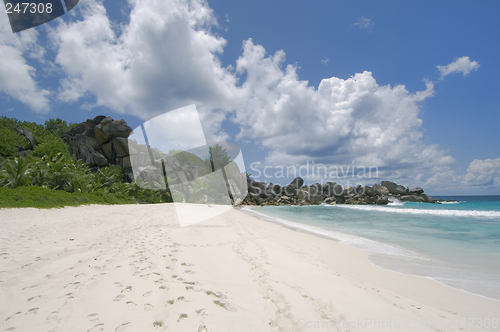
(9, 142)
(51, 177)
(45, 198)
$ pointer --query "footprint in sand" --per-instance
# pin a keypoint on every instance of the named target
(131, 304)
(224, 304)
(119, 297)
(146, 294)
(148, 307)
(158, 324)
(216, 294)
(122, 327)
(182, 317)
(127, 289)
(13, 316)
(93, 317)
(97, 328)
(32, 311)
(187, 264)
(52, 316)
(118, 284)
(31, 286)
(201, 312)
(189, 271)
(38, 297)
(202, 328)
(10, 329)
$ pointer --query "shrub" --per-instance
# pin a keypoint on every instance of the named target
(16, 172)
(51, 147)
(9, 141)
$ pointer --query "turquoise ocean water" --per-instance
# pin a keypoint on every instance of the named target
(457, 244)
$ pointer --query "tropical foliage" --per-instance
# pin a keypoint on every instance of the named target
(50, 176)
(53, 169)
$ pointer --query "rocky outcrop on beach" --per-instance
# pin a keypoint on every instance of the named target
(100, 142)
(296, 193)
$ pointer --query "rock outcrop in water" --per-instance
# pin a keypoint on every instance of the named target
(296, 193)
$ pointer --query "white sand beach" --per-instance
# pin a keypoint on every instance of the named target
(133, 268)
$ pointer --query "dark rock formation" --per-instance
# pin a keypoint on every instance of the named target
(395, 189)
(100, 142)
(28, 135)
(416, 191)
(331, 193)
(87, 154)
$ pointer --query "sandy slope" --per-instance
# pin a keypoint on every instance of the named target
(133, 268)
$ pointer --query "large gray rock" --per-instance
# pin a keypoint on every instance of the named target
(116, 128)
(383, 201)
(416, 191)
(28, 135)
(98, 119)
(380, 190)
(423, 198)
(274, 189)
(289, 191)
(369, 191)
(330, 200)
(109, 129)
(394, 188)
(124, 162)
(82, 139)
(120, 147)
(428, 199)
(317, 199)
(80, 129)
(302, 195)
(107, 151)
(297, 183)
(412, 198)
(87, 154)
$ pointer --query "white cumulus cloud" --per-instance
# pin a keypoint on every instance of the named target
(461, 65)
(484, 173)
(17, 76)
(340, 122)
(166, 57)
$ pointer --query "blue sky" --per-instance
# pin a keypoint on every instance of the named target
(334, 83)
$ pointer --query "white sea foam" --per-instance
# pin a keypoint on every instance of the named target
(396, 202)
(352, 240)
(445, 213)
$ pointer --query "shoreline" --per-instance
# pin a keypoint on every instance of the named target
(371, 254)
(134, 268)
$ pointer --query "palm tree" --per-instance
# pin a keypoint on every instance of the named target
(219, 158)
(17, 172)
